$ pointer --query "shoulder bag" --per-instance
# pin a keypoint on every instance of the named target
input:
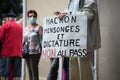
(25, 50)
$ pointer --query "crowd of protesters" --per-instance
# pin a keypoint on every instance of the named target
(13, 37)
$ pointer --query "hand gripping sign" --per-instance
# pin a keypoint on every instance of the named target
(65, 37)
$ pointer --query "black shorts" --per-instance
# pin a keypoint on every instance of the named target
(5, 62)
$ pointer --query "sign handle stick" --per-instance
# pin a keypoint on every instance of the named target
(60, 67)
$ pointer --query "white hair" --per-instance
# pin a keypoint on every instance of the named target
(12, 18)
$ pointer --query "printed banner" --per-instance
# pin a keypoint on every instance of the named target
(65, 37)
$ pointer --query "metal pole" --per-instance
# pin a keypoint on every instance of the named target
(24, 13)
(95, 65)
(79, 68)
(24, 24)
(60, 67)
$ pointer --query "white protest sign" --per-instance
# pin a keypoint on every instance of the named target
(65, 37)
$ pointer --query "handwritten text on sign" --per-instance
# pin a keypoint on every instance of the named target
(65, 37)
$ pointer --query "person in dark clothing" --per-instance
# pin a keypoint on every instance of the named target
(53, 73)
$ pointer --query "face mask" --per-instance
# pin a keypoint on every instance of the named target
(32, 20)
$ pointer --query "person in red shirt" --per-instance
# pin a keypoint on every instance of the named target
(11, 37)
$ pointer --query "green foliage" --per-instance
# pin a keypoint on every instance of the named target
(7, 5)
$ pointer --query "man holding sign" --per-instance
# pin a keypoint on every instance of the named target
(81, 67)
(84, 64)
